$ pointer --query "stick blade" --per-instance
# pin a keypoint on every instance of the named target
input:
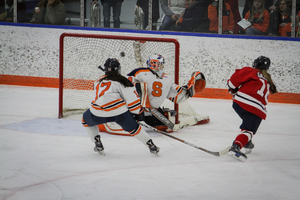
(224, 151)
(220, 153)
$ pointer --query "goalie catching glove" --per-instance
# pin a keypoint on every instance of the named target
(196, 84)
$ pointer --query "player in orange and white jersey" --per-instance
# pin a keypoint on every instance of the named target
(161, 86)
(116, 100)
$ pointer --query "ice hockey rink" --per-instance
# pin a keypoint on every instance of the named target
(46, 158)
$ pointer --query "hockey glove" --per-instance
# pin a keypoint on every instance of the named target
(140, 116)
(196, 84)
(232, 91)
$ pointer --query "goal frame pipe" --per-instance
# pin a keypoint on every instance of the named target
(133, 38)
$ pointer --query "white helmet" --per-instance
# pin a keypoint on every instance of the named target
(156, 62)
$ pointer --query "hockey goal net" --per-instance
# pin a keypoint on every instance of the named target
(81, 54)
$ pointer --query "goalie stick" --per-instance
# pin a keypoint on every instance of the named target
(217, 153)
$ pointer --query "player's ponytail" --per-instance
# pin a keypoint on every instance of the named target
(269, 79)
(263, 63)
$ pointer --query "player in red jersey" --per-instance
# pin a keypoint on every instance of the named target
(250, 88)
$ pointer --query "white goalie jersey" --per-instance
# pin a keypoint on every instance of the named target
(159, 88)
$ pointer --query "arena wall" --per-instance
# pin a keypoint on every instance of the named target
(29, 55)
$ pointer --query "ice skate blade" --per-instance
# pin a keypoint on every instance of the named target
(155, 152)
(237, 156)
(100, 152)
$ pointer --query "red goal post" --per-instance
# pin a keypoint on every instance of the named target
(81, 54)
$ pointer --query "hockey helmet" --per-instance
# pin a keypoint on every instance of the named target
(156, 62)
(112, 65)
(262, 63)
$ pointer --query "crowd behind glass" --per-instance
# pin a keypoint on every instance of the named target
(258, 17)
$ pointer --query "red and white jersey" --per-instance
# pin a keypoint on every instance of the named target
(158, 88)
(113, 98)
(253, 91)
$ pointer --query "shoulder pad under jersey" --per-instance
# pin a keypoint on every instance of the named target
(137, 70)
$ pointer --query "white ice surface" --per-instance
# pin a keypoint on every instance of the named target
(45, 158)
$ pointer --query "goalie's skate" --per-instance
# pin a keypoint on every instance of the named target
(236, 153)
(248, 147)
(98, 145)
(152, 147)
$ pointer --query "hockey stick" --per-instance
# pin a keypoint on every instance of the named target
(161, 118)
(218, 153)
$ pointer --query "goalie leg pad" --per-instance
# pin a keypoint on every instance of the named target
(202, 119)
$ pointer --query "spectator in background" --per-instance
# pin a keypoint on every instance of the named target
(2, 6)
(269, 6)
(234, 5)
(227, 19)
(259, 18)
(7, 11)
(172, 10)
(280, 17)
(49, 12)
(144, 4)
(286, 32)
(194, 17)
(116, 5)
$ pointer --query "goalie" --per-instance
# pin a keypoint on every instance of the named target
(154, 86)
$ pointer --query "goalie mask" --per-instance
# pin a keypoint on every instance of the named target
(262, 63)
(112, 65)
(156, 63)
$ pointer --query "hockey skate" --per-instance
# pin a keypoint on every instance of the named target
(236, 153)
(152, 147)
(248, 147)
(98, 145)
